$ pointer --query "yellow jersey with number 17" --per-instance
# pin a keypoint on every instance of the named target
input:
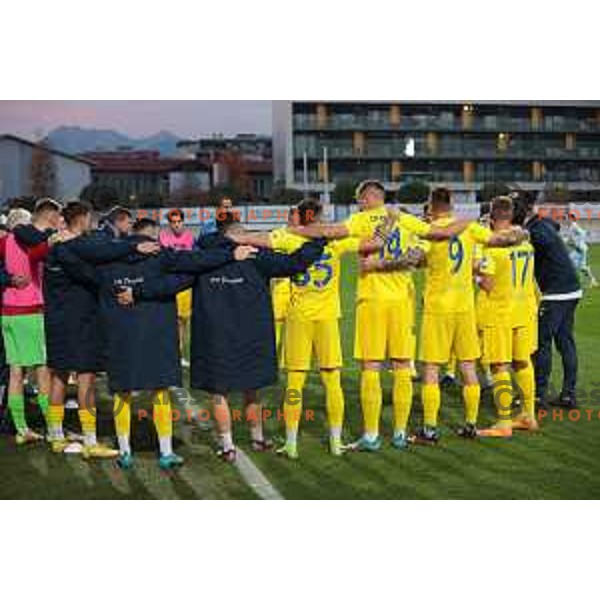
(511, 301)
(393, 286)
(449, 272)
(315, 293)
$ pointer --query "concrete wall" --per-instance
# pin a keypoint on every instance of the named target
(283, 165)
(15, 169)
(71, 177)
(15, 161)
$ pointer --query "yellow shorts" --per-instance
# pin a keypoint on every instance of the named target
(302, 336)
(445, 334)
(533, 329)
(384, 330)
(504, 344)
(184, 304)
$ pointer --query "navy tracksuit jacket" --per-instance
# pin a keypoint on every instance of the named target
(75, 337)
(142, 340)
(233, 337)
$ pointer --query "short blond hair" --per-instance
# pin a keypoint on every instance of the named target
(16, 217)
(502, 208)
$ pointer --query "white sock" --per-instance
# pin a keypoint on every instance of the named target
(226, 442)
(336, 433)
(124, 447)
(89, 439)
(487, 377)
(370, 437)
(399, 432)
(256, 429)
(55, 432)
(291, 436)
(166, 445)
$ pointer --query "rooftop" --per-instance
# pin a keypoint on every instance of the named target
(19, 140)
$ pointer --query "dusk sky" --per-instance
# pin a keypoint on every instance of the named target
(137, 118)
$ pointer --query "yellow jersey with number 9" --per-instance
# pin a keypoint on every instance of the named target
(315, 293)
(449, 272)
(393, 286)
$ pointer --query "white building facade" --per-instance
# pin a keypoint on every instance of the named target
(72, 174)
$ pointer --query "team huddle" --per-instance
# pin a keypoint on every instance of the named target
(78, 301)
(497, 326)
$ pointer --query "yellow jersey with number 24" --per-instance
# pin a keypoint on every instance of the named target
(394, 286)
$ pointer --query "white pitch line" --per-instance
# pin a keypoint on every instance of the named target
(255, 478)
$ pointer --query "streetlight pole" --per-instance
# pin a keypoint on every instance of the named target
(326, 197)
(305, 173)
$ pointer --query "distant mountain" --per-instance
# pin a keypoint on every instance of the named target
(75, 140)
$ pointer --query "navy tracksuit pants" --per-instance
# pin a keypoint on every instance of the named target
(556, 322)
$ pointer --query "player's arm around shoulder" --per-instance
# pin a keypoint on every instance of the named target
(413, 258)
(258, 239)
(437, 233)
(328, 231)
(501, 239)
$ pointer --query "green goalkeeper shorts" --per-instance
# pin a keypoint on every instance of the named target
(24, 340)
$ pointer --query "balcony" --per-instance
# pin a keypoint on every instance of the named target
(397, 152)
(424, 123)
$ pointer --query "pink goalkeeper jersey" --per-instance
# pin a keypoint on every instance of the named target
(184, 241)
(18, 262)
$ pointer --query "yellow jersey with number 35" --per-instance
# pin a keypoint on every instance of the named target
(315, 293)
(393, 286)
(449, 273)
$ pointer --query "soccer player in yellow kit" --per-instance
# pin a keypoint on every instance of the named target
(509, 336)
(385, 307)
(313, 323)
(281, 293)
(449, 318)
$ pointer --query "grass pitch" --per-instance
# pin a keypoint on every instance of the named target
(559, 462)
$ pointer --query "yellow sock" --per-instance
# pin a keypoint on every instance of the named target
(471, 396)
(370, 399)
(55, 417)
(402, 399)
(451, 366)
(163, 422)
(334, 397)
(87, 418)
(122, 416)
(503, 396)
(525, 379)
(292, 405)
(279, 343)
(431, 398)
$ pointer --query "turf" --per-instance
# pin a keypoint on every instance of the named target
(559, 462)
(34, 472)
